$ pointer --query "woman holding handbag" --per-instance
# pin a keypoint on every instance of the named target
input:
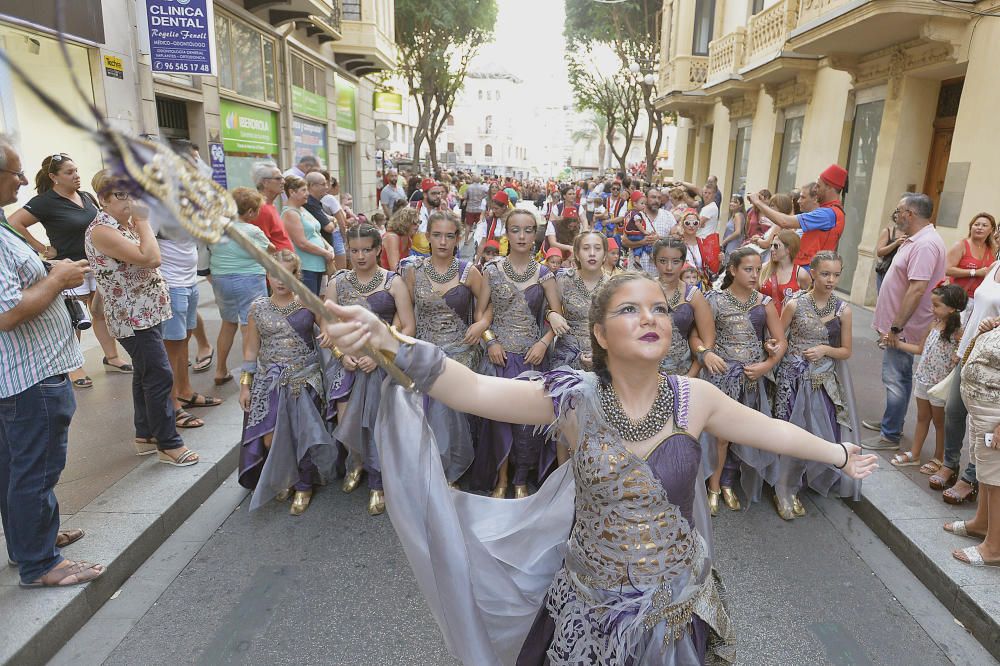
(888, 242)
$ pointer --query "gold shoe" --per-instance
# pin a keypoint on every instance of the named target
(520, 492)
(284, 494)
(500, 492)
(300, 502)
(797, 507)
(783, 507)
(713, 501)
(352, 480)
(376, 503)
(730, 498)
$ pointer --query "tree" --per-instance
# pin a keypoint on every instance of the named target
(437, 40)
(594, 131)
(632, 29)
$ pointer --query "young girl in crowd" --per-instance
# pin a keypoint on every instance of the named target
(554, 259)
(613, 259)
(938, 357)
(812, 391)
(687, 307)
(285, 446)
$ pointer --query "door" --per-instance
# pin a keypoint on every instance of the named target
(937, 163)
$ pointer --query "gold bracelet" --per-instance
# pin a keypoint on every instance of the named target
(488, 336)
(337, 354)
(246, 378)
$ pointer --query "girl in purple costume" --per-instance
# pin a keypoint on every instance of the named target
(520, 288)
(577, 287)
(742, 314)
(813, 383)
(554, 578)
(450, 303)
(354, 382)
(286, 446)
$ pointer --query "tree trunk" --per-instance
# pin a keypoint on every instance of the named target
(655, 119)
(432, 146)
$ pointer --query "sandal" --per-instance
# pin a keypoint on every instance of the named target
(906, 459)
(219, 381)
(199, 400)
(83, 382)
(959, 528)
(184, 459)
(124, 368)
(931, 466)
(940, 481)
(951, 497)
(187, 420)
(66, 537)
(145, 446)
(973, 557)
(203, 363)
(80, 572)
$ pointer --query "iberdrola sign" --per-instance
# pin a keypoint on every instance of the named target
(248, 129)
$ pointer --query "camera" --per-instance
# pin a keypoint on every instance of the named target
(78, 314)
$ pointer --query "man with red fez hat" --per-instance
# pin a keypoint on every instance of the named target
(433, 201)
(491, 227)
(822, 227)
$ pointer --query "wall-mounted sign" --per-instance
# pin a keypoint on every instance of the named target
(217, 160)
(308, 103)
(247, 129)
(181, 36)
(310, 139)
(347, 109)
(114, 67)
(388, 102)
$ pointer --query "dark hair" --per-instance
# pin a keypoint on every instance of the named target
(599, 312)
(735, 259)
(954, 297)
(359, 231)
(579, 240)
(51, 164)
(672, 243)
(438, 216)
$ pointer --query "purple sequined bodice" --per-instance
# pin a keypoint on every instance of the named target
(834, 329)
(683, 320)
(302, 321)
(459, 297)
(535, 296)
(383, 304)
(758, 319)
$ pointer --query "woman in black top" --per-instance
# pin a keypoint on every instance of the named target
(65, 212)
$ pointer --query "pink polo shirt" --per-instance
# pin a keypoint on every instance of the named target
(920, 257)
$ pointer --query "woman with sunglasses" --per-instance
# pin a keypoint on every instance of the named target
(780, 278)
(698, 253)
(65, 212)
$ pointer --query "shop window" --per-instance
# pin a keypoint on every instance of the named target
(488, 151)
(351, 10)
(704, 23)
(860, 169)
(451, 146)
(788, 164)
(468, 150)
(741, 158)
(345, 163)
(246, 59)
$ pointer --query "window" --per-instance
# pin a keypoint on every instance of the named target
(480, 94)
(860, 168)
(489, 94)
(246, 59)
(451, 146)
(756, 6)
(741, 158)
(308, 76)
(498, 95)
(488, 125)
(704, 20)
(488, 151)
(788, 165)
(451, 121)
(468, 150)
(351, 10)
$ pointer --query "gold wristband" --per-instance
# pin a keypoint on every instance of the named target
(246, 378)
(337, 354)
(488, 336)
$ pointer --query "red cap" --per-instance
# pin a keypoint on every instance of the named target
(612, 244)
(492, 244)
(636, 195)
(501, 197)
(428, 184)
(553, 252)
(835, 176)
(688, 267)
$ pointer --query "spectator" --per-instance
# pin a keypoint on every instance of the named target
(757, 224)
(65, 211)
(969, 259)
(709, 213)
(125, 257)
(780, 278)
(347, 205)
(733, 236)
(304, 230)
(398, 237)
(475, 201)
(888, 244)
(333, 209)
(237, 278)
(270, 183)
(307, 164)
(903, 310)
(37, 350)
(318, 188)
(378, 221)
(392, 192)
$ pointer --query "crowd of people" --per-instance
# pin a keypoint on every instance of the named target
(643, 313)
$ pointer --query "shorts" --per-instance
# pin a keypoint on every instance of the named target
(338, 242)
(983, 418)
(88, 287)
(472, 219)
(234, 293)
(920, 391)
(184, 303)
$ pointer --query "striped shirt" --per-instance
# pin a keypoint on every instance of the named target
(38, 348)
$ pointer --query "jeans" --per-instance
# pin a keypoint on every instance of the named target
(313, 280)
(955, 414)
(34, 426)
(152, 382)
(897, 375)
(878, 282)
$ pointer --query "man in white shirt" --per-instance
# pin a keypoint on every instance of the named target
(662, 222)
(709, 213)
(307, 164)
(391, 193)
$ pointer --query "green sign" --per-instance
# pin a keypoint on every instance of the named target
(248, 129)
(389, 102)
(347, 105)
(308, 103)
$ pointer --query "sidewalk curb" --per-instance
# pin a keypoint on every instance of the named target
(970, 594)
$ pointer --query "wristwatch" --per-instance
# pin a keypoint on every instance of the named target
(895, 329)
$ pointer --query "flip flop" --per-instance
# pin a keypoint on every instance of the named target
(71, 569)
(219, 381)
(203, 363)
(906, 459)
(63, 538)
(83, 383)
(199, 400)
(974, 558)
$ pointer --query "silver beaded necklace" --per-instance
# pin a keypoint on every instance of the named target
(441, 278)
(637, 430)
(367, 287)
(578, 281)
(529, 271)
(831, 305)
(674, 300)
(740, 305)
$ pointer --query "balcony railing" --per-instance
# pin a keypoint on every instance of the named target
(683, 74)
(725, 55)
(769, 29)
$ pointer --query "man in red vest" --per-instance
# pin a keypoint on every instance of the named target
(821, 228)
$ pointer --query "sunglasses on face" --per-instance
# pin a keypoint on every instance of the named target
(121, 196)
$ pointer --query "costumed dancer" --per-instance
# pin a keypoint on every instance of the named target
(742, 315)
(523, 296)
(810, 390)
(688, 310)
(554, 578)
(450, 303)
(353, 382)
(286, 446)
(577, 287)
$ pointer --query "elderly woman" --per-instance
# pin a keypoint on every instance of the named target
(237, 278)
(305, 231)
(65, 212)
(125, 256)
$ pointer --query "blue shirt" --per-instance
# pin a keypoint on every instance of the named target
(42, 346)
(821, 219)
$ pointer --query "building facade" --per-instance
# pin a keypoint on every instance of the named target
(769, 92)
(290, 81)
